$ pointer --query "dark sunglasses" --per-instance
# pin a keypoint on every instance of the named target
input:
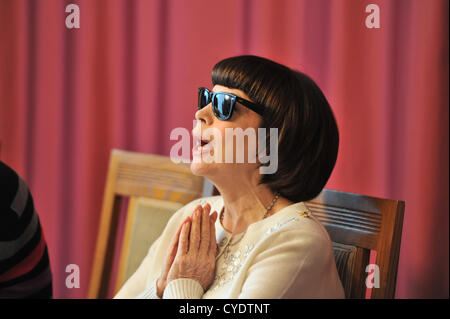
(223, 103)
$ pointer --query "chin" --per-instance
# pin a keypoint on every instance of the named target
(197, 168)
(208, 170)
(200, 168)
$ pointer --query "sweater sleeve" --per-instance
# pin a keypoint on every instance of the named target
(293, 264)
(183, 288)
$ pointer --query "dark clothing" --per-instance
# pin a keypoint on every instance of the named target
(24, 263)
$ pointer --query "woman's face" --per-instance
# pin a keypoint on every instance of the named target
(210, 141)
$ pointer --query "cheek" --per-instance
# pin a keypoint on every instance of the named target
(244, 128)
(240, 145)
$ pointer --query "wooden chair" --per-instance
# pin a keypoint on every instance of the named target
(138, 177)
(357, 224)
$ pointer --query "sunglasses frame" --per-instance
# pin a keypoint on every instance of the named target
(257, 108)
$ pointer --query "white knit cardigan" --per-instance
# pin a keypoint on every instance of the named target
(287, 255)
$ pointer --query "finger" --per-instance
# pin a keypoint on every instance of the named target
(196, 208)
(183, 243)
(175, 237)
(194, 240)
(205, 230)
(214, 216)
(212, 241)
(174, 245)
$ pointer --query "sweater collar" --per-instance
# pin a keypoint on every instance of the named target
(286, 212)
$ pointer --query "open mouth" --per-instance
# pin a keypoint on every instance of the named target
(201, 145)
(203, 142)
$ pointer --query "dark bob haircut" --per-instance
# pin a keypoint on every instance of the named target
(308, 137)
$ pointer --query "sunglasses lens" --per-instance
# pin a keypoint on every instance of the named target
(222, 106)
(203, 98)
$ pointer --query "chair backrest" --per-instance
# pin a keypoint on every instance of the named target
(358, 224)
(137, 176)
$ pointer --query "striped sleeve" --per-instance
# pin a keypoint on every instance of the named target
(24, 262)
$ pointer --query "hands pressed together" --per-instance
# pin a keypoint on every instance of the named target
(192, 250)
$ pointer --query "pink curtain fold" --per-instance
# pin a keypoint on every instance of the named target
(129, 75)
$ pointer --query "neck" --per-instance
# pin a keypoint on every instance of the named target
(245, 203)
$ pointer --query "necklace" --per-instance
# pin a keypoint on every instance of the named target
(226, 249)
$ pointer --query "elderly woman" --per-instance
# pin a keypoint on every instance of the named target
(257, 239)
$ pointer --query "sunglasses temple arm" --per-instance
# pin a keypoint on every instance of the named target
(254, 107)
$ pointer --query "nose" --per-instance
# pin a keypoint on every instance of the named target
(205, 115)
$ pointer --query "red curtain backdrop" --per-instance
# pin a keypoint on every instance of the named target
(129, 75)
